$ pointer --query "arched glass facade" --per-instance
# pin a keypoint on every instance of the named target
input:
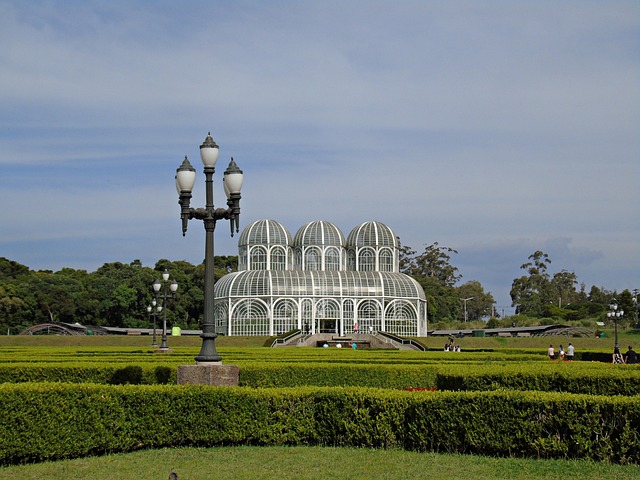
(320, 281)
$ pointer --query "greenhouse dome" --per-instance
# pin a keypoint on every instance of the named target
(372, 246)
(267, 243)
(314, 290)
(372, 234)
(319, 246)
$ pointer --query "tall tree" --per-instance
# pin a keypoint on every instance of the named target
(443, 303)
(433, 270)
(406, 259)
(530, 293)
(563, 287)
(435, 262)
(478, 302)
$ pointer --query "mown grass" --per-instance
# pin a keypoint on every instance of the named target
(626, 337)
(301, 463)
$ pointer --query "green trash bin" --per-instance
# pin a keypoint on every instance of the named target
(477, 333)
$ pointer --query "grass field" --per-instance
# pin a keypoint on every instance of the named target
(626, 337)
(302, 463)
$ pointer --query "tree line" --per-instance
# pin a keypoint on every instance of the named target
(542, 295)
(537, 295)
(118, 294)
(115, 295)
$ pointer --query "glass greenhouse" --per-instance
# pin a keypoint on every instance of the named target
(319, 282)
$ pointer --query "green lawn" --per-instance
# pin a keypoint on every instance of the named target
(300, 463)
(626, 337)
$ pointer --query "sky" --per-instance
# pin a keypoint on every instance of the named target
(496, 128)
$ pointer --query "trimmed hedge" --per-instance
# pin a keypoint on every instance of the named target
(110, 374)
(336, 375)
(54, 421)
(572, 377)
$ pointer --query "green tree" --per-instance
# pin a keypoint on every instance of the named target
(626, 303)
(122, 293)
(435, 262)
(563, 288)
(406, 259)
(598, 295)
(11, 270)
(14, 311)
(530, 293)
(479, 303)
(433, 270)
(443, 303)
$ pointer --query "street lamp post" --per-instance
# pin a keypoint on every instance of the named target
(615, 314)
(156, 288)
(232, 181)
(635, 308)
(465, 300)
(152, 311)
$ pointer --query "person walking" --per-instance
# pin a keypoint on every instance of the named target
(570, 352)
(551, 352)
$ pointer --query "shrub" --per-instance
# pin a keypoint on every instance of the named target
(55, 421)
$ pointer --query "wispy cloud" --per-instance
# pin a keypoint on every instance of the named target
(497, 128)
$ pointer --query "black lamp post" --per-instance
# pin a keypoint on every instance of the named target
(232, 180)
(156, 288)
(152, 311)
(615, 314)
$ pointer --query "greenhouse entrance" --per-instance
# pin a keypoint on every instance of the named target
(327, 325)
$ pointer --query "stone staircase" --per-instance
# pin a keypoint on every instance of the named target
(362, 340)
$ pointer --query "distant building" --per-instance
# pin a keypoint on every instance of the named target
(318, 281)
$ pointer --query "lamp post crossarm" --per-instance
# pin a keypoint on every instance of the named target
(214, 214)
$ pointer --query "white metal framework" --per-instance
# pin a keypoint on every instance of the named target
(318, 281)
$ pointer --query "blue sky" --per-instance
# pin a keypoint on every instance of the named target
(497, 128)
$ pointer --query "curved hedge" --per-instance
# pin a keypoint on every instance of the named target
(53, 420)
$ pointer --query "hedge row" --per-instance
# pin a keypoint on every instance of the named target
(337, 375)
(111, 374)
(616, 380)
(55, 421)
(572, 378)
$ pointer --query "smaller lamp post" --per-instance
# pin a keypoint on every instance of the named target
(156, 289)
(153, 309)
(615, 314)
(465, 300)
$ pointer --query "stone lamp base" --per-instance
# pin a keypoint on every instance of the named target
(214, 374)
